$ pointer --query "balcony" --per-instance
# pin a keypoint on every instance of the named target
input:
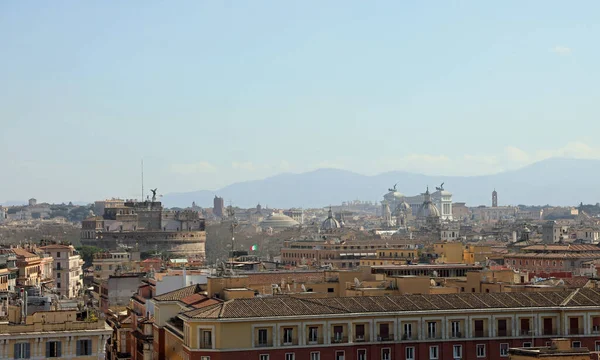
(388, 337)
(206, 345)
(456, 335)
(548, 332)
(289, 342)
(315, 341)
(503, 333)
(263, 344)
(360, 338)
(526, 332)
(409, 336)
(433, 335)
(339, 339)
(480, 333)
(576, 331)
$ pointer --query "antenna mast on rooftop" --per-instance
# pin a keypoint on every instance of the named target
(142, 197)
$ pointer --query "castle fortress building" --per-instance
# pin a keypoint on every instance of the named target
(148, 227)
(441, 198)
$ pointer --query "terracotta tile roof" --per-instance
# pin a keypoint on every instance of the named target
(55, 246)
(295, 306)
(562, 248)
(178, 294)
(564, 255)
(23, 252)
(206, 303)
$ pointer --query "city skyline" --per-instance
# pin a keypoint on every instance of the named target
(211, 94)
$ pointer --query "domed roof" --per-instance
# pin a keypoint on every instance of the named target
(428, 209)
(404, 206)
(330, 223)
(278, 221)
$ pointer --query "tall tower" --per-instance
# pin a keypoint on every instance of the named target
(494, 198)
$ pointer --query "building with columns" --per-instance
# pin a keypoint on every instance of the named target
(441, 198)
(412, 327)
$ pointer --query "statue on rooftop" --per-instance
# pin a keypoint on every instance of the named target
(440, 188)
(394, 188)
(153, 194)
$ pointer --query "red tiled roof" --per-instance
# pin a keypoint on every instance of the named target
(23, 252)
(562, 248)
(295, 306)
(178, 294)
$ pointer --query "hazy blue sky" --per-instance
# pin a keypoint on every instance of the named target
(214, 92)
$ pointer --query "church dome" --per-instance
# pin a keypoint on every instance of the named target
(278, 222)
(330, 223)
(428, 209)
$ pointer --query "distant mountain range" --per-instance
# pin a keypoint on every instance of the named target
(555, 181)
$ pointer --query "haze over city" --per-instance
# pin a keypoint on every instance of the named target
(212, 93)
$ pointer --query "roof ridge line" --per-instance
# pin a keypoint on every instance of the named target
(570, 297)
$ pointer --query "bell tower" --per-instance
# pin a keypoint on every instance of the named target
(494, 198)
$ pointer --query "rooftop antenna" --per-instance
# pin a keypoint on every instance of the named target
(142, 197)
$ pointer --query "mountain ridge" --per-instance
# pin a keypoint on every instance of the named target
(557, 181)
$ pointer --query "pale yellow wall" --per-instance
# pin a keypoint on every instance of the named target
(413, 284)
(237, 294)
(173, 347)
(449, 252)
(444, 290)
(215, 285)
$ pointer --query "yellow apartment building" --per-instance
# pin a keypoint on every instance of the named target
(417, 327)
(52, 335)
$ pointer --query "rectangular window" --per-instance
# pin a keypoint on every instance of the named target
(407, 331)
(290, 356)
(204, 357)
(57, 254)
(361, 354)
(84, 347)
(315, 355)
(338, 332)
(456, 329)
(22, 351)
(57, 266)
(287, 336)
(480, 350)
(526, 344)
(339, 355)
(457, 351)
(53, 349)
(597, 346)
(58, 275)
(206, 339)
(262, 337)
(386, 354)
(359, 330)
(479, 328)
(263, 357)
(576, 344)
(410, 353)
(504, 349)
(502, 327)
(433, 352)
(431, 327)
(384, 332)
(313, 335)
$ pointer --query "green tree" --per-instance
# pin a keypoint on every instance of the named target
(87, 253)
